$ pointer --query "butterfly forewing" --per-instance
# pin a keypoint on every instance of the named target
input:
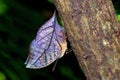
(46, 47)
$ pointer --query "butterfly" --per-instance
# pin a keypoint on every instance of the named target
(49, 44)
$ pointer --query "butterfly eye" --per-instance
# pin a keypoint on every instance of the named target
(48, 45)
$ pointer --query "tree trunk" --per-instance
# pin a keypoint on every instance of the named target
(94, 33)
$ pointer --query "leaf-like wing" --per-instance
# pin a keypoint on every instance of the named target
(49, 44)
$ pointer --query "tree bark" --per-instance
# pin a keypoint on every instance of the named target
(94, 33)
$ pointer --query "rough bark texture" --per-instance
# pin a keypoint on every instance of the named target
(94, 33)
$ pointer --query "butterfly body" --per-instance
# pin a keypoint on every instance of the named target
(49, 45)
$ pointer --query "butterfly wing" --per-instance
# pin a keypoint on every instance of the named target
(49, 55)
(61, 38)
(46, 47)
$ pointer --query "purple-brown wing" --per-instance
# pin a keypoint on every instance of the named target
(46, 47)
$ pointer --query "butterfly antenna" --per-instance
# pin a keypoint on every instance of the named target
(53, 69)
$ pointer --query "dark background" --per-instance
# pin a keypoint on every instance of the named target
(19, 22)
